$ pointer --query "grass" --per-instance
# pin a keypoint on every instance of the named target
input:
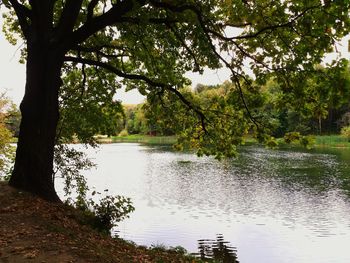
(145, 139)
(332, 141)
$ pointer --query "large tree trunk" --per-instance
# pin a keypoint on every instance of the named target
(33, 170)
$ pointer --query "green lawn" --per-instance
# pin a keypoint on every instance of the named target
(320, 141)
(145, 139)
(332, 141)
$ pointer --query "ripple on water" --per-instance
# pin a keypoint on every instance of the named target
(285, 206)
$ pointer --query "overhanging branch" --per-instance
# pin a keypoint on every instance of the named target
(95, 24)
(143, 78)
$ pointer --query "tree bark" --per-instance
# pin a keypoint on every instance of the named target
(33, 169)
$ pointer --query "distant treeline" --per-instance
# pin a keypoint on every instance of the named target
(322, 107)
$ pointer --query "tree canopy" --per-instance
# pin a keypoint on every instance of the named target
(149, 45)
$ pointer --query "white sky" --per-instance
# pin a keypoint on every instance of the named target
(12, 73)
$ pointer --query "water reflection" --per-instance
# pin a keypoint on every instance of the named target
(217, 250)
(275, 206)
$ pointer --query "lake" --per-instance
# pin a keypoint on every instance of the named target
(274, 206)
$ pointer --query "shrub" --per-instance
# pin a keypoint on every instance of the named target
(290, 137)
(307, 141)
(345, 132)
(123, 133)
(110, 210)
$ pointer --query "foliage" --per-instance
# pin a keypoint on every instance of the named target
(345, 131)
(209, 135)
(13, 119)
(98, 46)
(321, 99)
(345, 119)
(306, 141)
(292, 136)
(69, 163)
(94, 97)
(7, 151)
(135, 121)
(123, 133)
(102, 115)
(110, 210)
(275, 112)
(151, 44)
(105, 213)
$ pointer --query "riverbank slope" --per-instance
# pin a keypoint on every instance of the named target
(33, 230)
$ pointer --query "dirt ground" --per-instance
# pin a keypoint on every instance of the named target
(33, 230)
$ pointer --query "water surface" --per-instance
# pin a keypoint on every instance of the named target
(272, 205)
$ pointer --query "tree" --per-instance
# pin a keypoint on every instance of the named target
(323, 93)
(149, 45)
(135, 121)
(6, 150)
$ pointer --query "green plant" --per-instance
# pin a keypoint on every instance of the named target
(307, 141)
(69, 163)
(345, 132)
(123, 133)
(271, 143)
(110, 210)
(102, 215)
(290, 137)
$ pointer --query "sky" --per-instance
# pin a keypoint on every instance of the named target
(12, 73)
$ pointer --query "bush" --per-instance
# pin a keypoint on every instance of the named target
(307, 141)
(345, 132)
(110, 210)
(290, 137)
(123, 133)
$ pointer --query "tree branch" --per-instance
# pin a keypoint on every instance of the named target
(23, 13)
(99, 48)
(264, 29)
(145, 79)
(68, 18)
(175, 8)
(95, 24)
(227, 64)
(91, 6)
(186, 47)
